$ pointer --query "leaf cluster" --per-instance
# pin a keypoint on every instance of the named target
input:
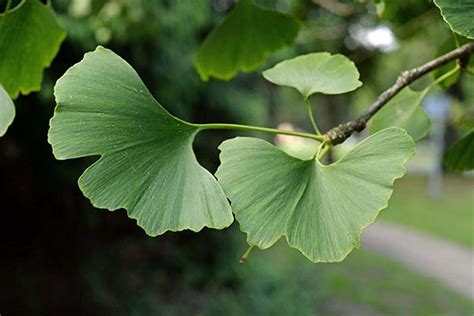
(147, 165)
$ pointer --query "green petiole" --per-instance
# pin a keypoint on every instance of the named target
(319, 138)
(9, 4)
(440, 79)
(309, 110)
(246, 254)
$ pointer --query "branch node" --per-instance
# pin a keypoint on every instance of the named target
(343, 131)
(404, 77)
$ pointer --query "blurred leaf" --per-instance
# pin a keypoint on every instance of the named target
(29, 40)
(459, 15)
(379, 7)
(316, 72)
(460, 156)
(7, 111)
(404, 111)
(246, 36)
(320, 209)
(147, 164)
(463, 122)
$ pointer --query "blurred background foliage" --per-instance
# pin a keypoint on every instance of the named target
(62, 256)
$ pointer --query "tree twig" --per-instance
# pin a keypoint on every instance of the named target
(343, 131)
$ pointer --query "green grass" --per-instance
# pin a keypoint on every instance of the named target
(280, 281)
(375, 285)
(451, 216)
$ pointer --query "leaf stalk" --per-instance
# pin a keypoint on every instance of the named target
(8, 6)
(319, 138)
(246, 254)
(441, 79)
(309, 110)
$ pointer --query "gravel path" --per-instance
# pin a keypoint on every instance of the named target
(449, 263)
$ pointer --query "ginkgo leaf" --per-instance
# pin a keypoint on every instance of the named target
(147, 164)
(29, 40)
(316, 72)
(7, 111)
(460, 157)
(459, 15)
(404, 111)
(320, 209)
(244, 39)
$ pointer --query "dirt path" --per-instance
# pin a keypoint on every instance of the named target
(449, 263)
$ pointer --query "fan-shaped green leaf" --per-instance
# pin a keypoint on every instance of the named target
(7, 111)
(29, 39)
(321, 209)
(460, 157)
(316, 72)
(404, 111)
(459, 14)
(246, 36)
(147, 164)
